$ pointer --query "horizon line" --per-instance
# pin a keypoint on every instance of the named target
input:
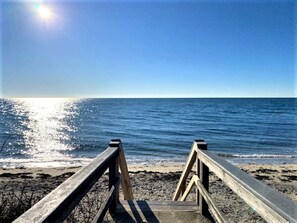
(177, 97)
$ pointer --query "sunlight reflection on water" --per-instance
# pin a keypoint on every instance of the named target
(69, 132)
(46, 129)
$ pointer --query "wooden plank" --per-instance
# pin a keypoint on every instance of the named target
(159, 211)
(113, 176)
(270, 204)
(211, 205)
(57, 205)
(198, 174)
(188, 190)
(106, 204)
(204, 179)
(185, 174)
(160, 205)
(126, 183)
(104, 207)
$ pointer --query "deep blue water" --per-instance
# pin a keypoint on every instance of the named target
(53, 132)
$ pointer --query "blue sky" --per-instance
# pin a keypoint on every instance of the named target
(149, 49)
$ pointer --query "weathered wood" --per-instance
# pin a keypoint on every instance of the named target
(159, 211)
(162, 205)
(185, 174)
(198, 174)
(211, 205)
(126, 183)
(183, 187)
(188, 190)
(106, 204)
(204, 179)
(57, 205)
(113, 176)
(270, 204)
(104, 207)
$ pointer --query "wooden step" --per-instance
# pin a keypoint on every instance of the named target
(158, 211)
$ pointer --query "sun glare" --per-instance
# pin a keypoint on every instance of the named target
(43, 11)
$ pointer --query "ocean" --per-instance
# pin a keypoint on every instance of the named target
(53, 132)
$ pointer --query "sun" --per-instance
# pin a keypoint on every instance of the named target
(43, 11)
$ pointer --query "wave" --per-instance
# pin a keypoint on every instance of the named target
(45, 163)
(254, 156)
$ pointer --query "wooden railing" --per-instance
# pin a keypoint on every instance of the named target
(268, 203)
(57, 205)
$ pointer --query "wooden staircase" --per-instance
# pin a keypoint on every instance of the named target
(158, 211)
(57, 205)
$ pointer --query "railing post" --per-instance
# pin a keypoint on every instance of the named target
(198, 171)
(203, 174)
(113, 176)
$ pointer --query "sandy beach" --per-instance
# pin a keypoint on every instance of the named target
(150, 182)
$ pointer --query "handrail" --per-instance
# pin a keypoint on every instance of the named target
(56, 206)
(270, 204)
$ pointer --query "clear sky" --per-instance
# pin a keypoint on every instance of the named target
(149, 49)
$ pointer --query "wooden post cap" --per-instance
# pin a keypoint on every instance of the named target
(115, 142)
(201, 144)
(199, 140)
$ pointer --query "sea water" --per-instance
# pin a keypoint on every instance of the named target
(54, 132)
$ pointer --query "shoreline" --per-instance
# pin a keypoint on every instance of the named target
(160, 167)
(153, 164)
